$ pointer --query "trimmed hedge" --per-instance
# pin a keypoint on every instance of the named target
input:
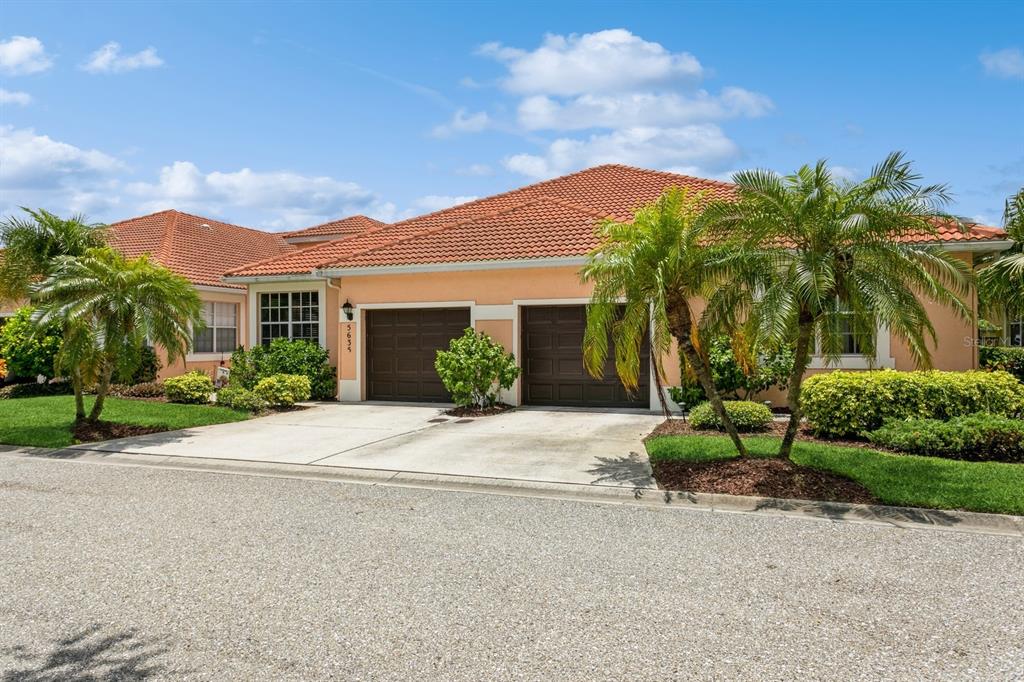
(747, 416)
(240, 399)
(839, 404)
(282, 356)
(982, 437)
(283, 390)
(194, 387)
(1007, 358)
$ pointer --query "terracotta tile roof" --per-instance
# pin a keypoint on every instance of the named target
(200, 249)
(346, 227)
(551, 218)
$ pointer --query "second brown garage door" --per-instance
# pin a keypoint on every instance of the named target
(401, 346)
(553, 372)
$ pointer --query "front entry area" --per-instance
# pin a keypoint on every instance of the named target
(552, 361)
(401, 346)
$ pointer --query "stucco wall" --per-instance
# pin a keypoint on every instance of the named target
(497, 293)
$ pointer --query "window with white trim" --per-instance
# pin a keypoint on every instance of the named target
(290, 315)
(1015, 332)
(850, 342)
(220, 334)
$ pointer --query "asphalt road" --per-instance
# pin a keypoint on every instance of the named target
(110, 572)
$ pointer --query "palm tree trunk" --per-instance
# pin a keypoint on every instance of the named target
(796, 379)
(102, 387)
(661, 392)
(681, 325)
(76, 386)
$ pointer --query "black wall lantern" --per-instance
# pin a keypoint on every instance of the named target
(347, 309)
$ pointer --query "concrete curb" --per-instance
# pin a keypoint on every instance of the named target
(912, 518)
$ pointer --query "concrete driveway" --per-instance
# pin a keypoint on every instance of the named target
(550, 445)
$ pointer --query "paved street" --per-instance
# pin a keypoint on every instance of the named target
(114, 572)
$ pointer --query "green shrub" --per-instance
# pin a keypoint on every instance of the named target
(240, 399)
(475, 368)
(283, 390)
(194, 387)
(852, 403)
(147, 366)
(34, 390)
(1007, 358)
(746, 415)
(282, 356)
(28, 351)
(687, 395)
(974, 437)
(147, 389)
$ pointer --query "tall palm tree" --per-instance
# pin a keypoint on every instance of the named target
(822, 259)
(1001, 281)
(30, 245)
(109, 305)
(657, 265)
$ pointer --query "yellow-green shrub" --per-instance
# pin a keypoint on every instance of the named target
(283, 390)
(852, 403)
(194, 387)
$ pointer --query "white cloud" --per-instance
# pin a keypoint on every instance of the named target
(435, 202)
(541, 112)
(31, 161)
(108, 59)
(20, 98)
(844, 173)
(697, 147)
(280, 199)
(1008, 63)
(475, 170)
(606, 61)
(463, 122)
(22, 55)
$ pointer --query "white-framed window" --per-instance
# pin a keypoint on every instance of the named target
(220, 335)
(290, 315)
(1015, 332)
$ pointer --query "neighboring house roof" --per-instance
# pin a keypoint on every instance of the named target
(199, 249)
(338, 229)
(554, 218)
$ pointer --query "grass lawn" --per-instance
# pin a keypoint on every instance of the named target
(47, 421)
(903, 480)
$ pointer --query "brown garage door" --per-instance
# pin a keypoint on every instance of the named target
(553, 372)
(401, 346)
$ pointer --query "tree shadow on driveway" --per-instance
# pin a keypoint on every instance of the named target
(632, 470)
(88, 655)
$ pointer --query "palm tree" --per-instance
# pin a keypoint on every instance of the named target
(108, 306)
(1001, 281)
(30, 246)
(657, 265)
(823, 259)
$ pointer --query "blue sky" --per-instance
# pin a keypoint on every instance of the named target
(285, 115)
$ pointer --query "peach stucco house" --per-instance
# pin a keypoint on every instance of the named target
(382, 298)
(387, 297)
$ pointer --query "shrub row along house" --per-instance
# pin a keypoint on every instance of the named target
(383, 298)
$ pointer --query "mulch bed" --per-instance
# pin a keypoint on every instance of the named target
(762, 478)
(770, 477)
(87, 432)
(477, 412)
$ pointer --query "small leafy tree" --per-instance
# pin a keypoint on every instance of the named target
(740, 370)
(29, 351)
(475, 368)
(1001, 278)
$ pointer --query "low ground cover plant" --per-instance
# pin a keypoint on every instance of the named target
(748, 416)
(845, 404)
(282, 390)
(475, 368)
(34, 390)
(983, 437)
(282, 356)
(1007, 358)
(146, 389)
(193, 388)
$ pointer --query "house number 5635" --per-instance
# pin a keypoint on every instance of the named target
(348, 338)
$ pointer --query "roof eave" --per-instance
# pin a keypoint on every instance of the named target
(462, 266)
